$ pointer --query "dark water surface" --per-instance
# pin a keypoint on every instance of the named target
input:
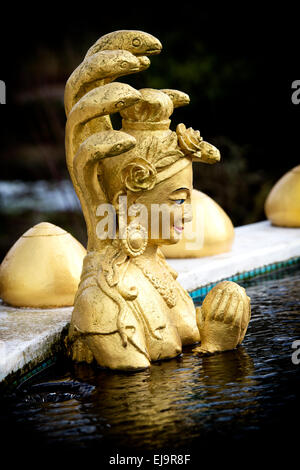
(245, 399)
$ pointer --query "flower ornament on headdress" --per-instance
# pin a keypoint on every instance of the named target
(139, 175)
(159, 154)
(192, 145)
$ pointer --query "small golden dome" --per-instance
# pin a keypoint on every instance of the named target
(282, 206)
(42, 269)
(212, 228)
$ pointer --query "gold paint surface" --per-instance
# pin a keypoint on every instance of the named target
(42, 269)
(223, 318)
(214, 235)
(129, 309)
(282, 206)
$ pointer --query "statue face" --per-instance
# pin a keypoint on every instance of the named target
(168, 207)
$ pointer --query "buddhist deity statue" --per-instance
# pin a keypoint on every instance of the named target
(129, 309)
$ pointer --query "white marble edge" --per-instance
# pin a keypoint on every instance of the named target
(272, 244)
(27, 335)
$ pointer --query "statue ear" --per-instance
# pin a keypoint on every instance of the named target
(120, 201)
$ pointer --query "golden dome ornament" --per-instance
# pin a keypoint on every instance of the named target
(42, 269)
(282, 206)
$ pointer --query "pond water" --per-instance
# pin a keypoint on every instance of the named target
(241, 399)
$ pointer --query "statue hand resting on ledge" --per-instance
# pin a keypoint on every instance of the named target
(135, 186)
(223, 318)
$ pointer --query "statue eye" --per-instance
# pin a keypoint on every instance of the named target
(179, 201)
(136, 42)
(124, 64)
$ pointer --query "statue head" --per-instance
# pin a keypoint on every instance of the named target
(144, 170)
(155, 177)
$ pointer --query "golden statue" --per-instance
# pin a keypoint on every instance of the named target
(211, 230)
(282, 206)
(129, 309)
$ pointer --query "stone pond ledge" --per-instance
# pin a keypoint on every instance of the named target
(255, 246)
(30, 337)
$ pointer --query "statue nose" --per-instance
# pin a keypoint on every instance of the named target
(187, 213)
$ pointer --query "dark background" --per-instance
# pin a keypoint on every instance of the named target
(237, 65)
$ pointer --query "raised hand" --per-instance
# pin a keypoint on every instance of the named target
(223, 318)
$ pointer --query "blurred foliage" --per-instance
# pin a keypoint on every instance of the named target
(240, 102)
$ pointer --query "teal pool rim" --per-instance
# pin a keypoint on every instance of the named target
(199, 294)
(16, 379)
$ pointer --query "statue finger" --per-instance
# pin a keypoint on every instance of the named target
(239, 314)
(199, 317)
(245, 320)
(222, 306)
(249, 309)
(232, 308)
(246, 313)
(212, 306)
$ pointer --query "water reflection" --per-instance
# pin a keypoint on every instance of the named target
(174, 399)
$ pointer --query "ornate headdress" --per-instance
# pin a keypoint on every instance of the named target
(163, 151)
